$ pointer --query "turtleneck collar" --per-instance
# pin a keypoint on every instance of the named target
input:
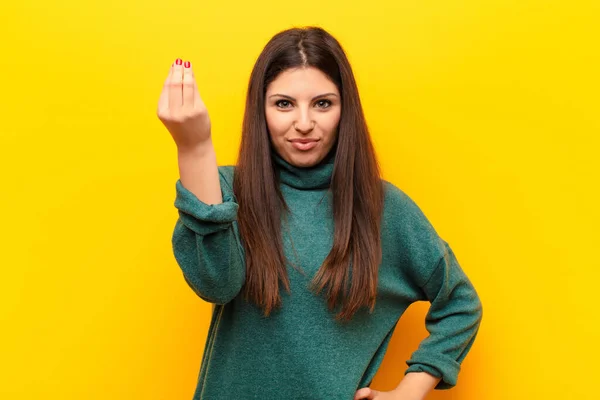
(315, 177)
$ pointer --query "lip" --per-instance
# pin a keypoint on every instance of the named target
(303, 140)
(304, 144)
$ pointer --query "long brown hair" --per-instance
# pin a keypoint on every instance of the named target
(349, 272)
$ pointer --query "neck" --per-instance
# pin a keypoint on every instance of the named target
(315, 177)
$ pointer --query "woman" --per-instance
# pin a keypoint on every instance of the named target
(305, 210)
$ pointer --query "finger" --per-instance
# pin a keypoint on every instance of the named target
(364, 393)
(188, 86)
(163, 100)
(176, 87)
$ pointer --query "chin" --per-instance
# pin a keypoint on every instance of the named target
(305, 160)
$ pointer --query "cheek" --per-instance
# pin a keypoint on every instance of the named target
(331, 121)
(277, 123)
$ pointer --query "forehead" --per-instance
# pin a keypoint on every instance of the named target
(308, 80)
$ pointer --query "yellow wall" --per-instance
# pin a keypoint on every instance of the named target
(484, 112)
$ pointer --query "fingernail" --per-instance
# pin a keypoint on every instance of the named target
(186, 64)
(178, 61)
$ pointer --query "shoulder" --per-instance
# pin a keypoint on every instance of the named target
(400, 206)
(398, 199)
(411, 231)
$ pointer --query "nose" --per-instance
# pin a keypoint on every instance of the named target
(305, 125)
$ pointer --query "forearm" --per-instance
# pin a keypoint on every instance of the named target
(415, 386)
(199, 173)
(206, 243)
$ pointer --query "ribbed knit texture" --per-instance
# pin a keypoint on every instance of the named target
(300, 351)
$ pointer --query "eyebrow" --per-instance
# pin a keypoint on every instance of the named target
(314, 98)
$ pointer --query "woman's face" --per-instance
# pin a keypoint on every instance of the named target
(302, 109)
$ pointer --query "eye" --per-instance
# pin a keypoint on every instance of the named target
(282, 103)
(326, 102)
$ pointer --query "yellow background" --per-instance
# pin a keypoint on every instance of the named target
(485, 112)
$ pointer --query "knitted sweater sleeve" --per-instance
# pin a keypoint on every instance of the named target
(206, 242)
(431, 270)
(452, 321)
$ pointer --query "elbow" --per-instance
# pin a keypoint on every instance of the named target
(476, 305)
(213, 293)
(229, 291)
(477, 314)
(220, 298)
(479, 310)
(212, 266)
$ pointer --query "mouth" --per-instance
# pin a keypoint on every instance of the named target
(303, 141)
(304, 144)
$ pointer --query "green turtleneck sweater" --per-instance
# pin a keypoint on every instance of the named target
(300, 351)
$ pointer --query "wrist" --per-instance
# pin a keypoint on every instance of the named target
(407, 394)
(415, 386)
(198, 150)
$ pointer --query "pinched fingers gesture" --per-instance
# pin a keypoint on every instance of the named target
(181, 109)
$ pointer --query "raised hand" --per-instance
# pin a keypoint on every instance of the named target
(181, 109)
